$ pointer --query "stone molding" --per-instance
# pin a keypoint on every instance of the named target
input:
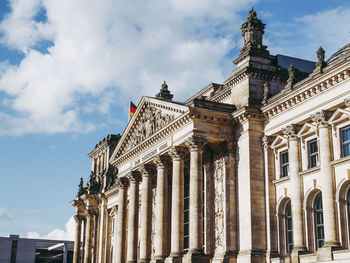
(303, 91)
(195, 143)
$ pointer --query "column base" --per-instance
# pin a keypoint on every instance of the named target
(296, 252)
(143, 260)
(251, 256)
(195, 256)
(331, 244)
(174, 259)
(131, 261)
(225, 257)
(157, 260)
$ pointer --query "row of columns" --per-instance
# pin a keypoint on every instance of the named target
(195, 145)
(326, 183)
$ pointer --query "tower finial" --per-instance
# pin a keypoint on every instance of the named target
(164, 93)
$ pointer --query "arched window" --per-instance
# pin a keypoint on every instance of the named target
(348, 208)
(318, 215)
(289, 230)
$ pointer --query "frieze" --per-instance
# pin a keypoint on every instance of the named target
(151, 121)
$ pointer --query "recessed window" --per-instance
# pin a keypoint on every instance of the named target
(318, 214)
(345, 135)
(284, 163)
(313, 153)
(289, 229)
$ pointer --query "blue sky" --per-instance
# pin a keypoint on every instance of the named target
(69, 68)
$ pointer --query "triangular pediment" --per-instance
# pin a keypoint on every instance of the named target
(307, 129)
(279, 141)
(339, 115)
(151, 116)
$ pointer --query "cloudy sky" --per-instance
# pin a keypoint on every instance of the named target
(69, 67)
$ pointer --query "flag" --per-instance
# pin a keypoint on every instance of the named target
(132, 109)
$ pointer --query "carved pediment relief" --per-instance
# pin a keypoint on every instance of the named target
(151, 116)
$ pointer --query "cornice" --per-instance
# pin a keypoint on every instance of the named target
(246, 113)
(305, 90)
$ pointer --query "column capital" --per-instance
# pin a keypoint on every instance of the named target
(195, 143)
(146, 170)
(122, 182)
(266, 142)
(161, 161)
(290, 132)
(134, 176)
(78, 218)
(177, 152)
(90, 213)
(320, 118)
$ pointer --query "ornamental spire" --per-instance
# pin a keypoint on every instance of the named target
(164, 93)
(252, 31)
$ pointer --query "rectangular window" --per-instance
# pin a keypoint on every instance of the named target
(313, 153)
(345, 135)
(284, 163)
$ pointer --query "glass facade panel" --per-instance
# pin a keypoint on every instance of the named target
(284, 163)
(313, 153)
(318, 215)
(289, 230)
(346, 141)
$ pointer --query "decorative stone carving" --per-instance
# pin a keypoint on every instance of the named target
(93, 186)
(291, 76)
(146, 170)
(161, 161)
(151, 121)
(195, 143)
(164, 93)
(266, 141)
(111, 175)
(252, 31)
(347, 102)
(219, 204)
(320, 118)
(81, 189)
(122, 182)
(321, 63)
(134, 176)
(266, 93)
(290, 132)
(177, 152)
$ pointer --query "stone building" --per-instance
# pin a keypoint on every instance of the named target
(256, 169)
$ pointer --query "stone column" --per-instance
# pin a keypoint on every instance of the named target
(146, 214)
(88, 239)
(295, 191)
(161, 208)
(195, 145)
(119, 245)
(80, 213)
(270, 200)
(177, 203)
(326, 181)
(103, 230)
(133, 222)
(77, 241)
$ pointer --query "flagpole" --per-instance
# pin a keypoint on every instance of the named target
(129, 111)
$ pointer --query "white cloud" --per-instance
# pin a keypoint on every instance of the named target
(108, 45)
(58, 234)
(5, 215)
(302, 37)
(106, 52)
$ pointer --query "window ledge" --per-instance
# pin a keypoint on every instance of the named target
(281, 180)
(341, 160)
(310, 170)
